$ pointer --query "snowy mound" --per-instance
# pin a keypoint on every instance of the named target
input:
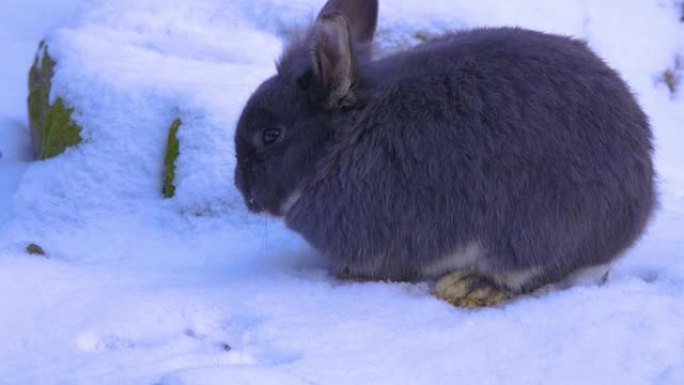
(136, 288)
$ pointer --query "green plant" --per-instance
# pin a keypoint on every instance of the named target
(172, 151)
(52, 126)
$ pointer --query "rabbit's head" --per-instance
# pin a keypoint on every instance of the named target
(289, 120)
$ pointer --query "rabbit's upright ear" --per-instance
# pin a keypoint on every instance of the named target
(341, 30)
(362, 16)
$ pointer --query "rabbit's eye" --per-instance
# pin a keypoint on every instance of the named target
(270, 135)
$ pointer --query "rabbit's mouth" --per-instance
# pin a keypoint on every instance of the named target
(278, 211)
(256, 207)
(252, 205)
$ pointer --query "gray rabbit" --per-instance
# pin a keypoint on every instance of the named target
(496, 159)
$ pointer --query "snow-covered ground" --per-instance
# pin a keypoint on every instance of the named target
(136, 289)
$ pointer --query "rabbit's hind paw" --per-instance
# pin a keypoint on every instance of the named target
(470, 290)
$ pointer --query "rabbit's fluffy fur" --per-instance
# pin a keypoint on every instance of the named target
(515, 154)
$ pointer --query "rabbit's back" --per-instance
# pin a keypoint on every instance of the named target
(513, 150)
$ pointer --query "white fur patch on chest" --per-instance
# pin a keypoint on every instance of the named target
(290, 201)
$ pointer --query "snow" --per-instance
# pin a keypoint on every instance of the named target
(136, 289)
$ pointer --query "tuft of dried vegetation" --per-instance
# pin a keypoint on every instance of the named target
(672, 77)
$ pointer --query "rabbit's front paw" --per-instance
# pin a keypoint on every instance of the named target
(467, 289)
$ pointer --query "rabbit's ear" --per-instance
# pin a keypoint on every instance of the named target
(339, 39)
(334, 64)
(362, 16)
